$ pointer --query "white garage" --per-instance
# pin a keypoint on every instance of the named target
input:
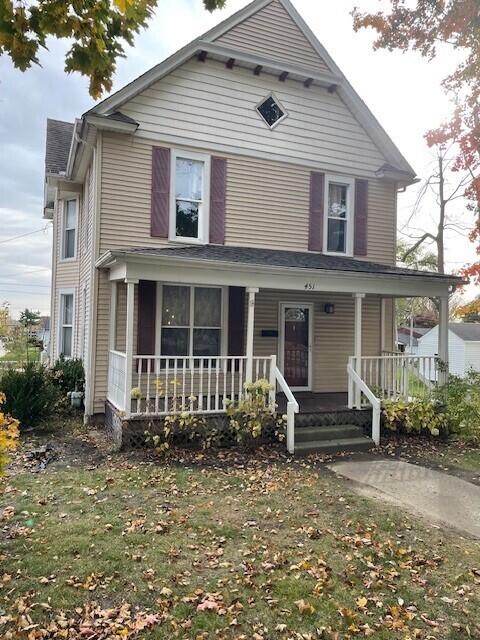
(463, 346)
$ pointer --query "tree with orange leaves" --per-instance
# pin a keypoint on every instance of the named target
(423, 27)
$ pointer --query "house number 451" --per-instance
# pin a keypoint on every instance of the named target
(309, 286)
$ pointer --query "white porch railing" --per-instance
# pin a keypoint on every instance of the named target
(292, 408)
(398, 376)
(373, 379)
(117, 362)
(164, 385)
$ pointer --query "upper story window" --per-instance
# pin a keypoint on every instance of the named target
(271, 111)
(189, 206)
(69, 234)
(338, 231)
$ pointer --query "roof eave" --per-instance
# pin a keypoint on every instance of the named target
(110, 257)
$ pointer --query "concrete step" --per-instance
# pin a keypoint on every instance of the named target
(338, 445)
(336, 432)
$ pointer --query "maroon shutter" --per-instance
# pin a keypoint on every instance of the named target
(236, 321)
(160, 192)
(315, 231)
(218, 190)
(147, 308)
(361, 218)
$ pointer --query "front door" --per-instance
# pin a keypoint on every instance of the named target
(295, 344)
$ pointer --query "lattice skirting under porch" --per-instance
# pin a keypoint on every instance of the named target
(130, 434)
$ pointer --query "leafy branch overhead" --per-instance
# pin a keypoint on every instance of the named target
(426, 26)
(98, 31)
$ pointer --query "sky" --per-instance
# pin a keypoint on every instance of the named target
(402, 89)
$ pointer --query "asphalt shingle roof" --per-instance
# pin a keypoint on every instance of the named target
(59, 138)
(278, 258)
(468, 331)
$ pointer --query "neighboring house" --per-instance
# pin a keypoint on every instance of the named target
(228, 215)
(463, 346)
(407, 339)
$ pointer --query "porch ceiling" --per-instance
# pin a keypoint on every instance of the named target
(273, 269)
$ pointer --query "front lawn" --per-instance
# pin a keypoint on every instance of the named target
(223, 546)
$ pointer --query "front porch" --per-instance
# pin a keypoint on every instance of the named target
(320, 337)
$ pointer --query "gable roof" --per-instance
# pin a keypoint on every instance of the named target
(272, 31)
(57, 148)
(212, 41)
(468, 331)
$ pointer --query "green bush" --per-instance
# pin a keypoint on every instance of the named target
(461, 397)
(30, 395)
(417, 416)
(68, 375)
(251, 418)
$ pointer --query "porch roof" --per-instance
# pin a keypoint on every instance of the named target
(257, 257)
(271, 269)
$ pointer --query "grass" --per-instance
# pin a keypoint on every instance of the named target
(459, 456)
(19, 354)
(273, 548)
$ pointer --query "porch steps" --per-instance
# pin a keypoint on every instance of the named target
(331, 439)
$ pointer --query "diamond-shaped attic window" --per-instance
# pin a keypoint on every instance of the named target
(271, 111)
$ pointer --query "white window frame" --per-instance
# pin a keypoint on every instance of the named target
(259, 104)
(349, 219)
(191, 326)
(204, 209)
(61, 293)
(64, 229)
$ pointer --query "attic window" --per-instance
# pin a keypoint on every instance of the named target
(271, 111)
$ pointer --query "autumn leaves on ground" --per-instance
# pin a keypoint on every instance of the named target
(222, 546)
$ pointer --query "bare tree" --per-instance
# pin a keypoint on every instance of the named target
(446, 185)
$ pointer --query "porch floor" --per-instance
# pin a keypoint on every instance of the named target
(310, 402)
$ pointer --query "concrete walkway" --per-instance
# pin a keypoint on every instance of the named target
(437, 496)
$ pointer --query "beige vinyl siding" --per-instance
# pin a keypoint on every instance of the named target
(102, 341)
(267, 202)
(333, 334)
(272, 32)
(66, 277)
(86, 239)
(208, 105)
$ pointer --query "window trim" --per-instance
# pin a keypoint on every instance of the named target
(64, 229)
(223, 318)
(273, 95)
(65, 292)
(349, 219)
(204, 210)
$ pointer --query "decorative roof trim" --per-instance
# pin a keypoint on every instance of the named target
(346, 92)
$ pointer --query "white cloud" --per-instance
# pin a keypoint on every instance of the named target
(403, 90)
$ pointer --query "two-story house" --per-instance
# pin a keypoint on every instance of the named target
(227, 216)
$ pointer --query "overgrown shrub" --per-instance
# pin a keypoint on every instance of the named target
(417, 416)
(68, 374)
(180, 426)
(461, 397)
(30, 395)
(251, 418)
(8, 435)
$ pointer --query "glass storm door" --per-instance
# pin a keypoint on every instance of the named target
(296, 345)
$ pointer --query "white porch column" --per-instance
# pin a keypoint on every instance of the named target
(129, 344)
(251, 291)
(357, 343)
(112, 336)
(443, 338)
